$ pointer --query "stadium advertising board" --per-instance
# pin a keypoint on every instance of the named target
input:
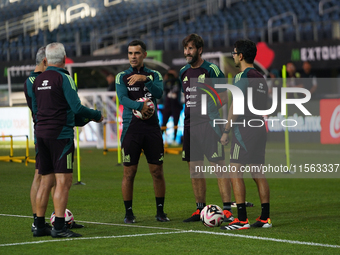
(330, 121)
(308, 128)
(16, 121)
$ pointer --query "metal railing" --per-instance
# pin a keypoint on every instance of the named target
(43, 19)
(31, 22)
(272, 28)
(230, 2)
(224, 35)
(323, 11)
(156, 20)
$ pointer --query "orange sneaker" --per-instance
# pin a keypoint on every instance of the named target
(237, 225)
(228, 216)
(194, 217)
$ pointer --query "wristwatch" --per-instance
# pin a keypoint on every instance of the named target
(226, 131)
(147, 79)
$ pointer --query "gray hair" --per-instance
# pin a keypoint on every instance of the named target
(40, 55)
(55, 53)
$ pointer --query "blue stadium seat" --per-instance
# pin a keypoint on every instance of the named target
(306, 32)
(254, 35)
(27, 52)
(159, 43)
(289, 35)
(255, 13)
(70, 50)
(327, 31)
(218, 40)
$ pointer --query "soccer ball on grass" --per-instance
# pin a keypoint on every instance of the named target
(69, 219)
(212, 216)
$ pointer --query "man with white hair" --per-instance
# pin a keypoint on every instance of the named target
(55, 103)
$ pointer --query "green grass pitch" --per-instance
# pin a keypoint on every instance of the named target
(305, 211)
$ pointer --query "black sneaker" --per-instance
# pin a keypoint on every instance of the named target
(129, 219)
(33, 227)
(46, 225)
(45, 231)
(162, 217)
(64, 232)
(73, 225)
(194, 217)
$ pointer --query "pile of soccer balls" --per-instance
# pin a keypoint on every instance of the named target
(212, 216)
(69, 219)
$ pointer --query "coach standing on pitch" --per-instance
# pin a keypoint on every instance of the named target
(41, 65)
(200, 137)
(132, 84)
(248, 143)
(55, 102)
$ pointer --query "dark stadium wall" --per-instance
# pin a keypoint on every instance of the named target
(324, 57)
(22, 76)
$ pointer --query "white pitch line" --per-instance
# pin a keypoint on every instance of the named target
(91, 238)
(176, 231)
(18, 216)
(102, 223)
(128, 225)
(269, 239)
(294, 151)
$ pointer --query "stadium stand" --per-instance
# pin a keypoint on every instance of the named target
(85, 26)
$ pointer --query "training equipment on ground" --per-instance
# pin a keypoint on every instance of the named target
(212, 216)
(138, 114)
(69, 219)
(11, 157)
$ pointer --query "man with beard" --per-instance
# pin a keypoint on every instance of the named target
(248, 142)
(200, 137)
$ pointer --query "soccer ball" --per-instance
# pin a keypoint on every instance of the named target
(149, 103)
(69, 219)
(212, 216)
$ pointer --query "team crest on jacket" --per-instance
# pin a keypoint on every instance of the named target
(201, 78)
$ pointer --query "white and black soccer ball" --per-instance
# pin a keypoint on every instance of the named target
(212, 216)
(138, 114)
(69, 219)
